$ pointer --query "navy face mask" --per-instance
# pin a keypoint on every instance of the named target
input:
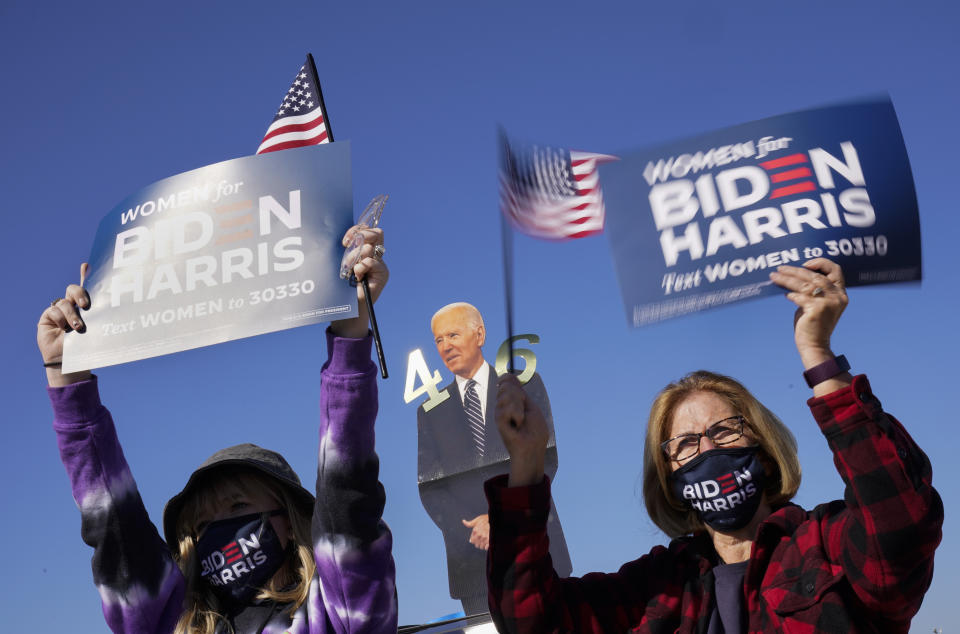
(239, 555)
(723, 486)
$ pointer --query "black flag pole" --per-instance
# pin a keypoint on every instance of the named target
(363, 283)
(506, 242)
(506, 236)
(323, 106)
(376, 330)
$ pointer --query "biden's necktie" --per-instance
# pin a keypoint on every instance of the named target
(471, 404)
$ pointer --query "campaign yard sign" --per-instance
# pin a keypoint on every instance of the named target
(231, 250)
(702, 222)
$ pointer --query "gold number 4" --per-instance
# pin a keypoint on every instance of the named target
(417, 369)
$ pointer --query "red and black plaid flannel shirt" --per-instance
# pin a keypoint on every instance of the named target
(861, 564)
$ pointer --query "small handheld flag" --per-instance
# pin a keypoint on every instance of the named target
(302, 117)
(551, 193)
(301, 121)
(547, 193)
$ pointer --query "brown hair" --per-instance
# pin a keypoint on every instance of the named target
(202, 610)
(778, 449)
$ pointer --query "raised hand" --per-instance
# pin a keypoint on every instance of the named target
(818, 290)
(524, 431)
(61, 317)
(370, 266)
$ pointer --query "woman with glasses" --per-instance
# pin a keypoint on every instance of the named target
(719, 472)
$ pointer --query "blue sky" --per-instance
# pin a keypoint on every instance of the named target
(102, 99)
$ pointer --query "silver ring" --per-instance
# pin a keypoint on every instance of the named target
(817, 291)
(378, 251)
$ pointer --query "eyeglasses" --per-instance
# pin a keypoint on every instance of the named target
(686, 446)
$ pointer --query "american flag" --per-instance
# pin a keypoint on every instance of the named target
(552, 193)
(301, 119)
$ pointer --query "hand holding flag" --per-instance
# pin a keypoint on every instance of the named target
(301, 121)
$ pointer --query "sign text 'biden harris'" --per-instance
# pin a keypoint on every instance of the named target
(702, 222)
(231, 250)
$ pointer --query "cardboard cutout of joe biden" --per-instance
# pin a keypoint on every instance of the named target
(459, 448)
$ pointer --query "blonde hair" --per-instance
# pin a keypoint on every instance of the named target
(202, 611)
(778, 449)
(472, 316)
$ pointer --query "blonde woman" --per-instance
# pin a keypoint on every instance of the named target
(719, 472)
(248, 549)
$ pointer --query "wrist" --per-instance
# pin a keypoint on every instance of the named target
(56, 378)
(353, 328)
(525, 473)
(349, 329)
(812, 356)
(828, 376)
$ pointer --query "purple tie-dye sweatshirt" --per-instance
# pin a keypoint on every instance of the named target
(142, 588)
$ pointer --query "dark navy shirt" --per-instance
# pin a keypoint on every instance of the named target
(727, 617)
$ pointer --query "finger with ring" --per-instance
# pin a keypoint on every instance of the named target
(378, 251)
(817, 291)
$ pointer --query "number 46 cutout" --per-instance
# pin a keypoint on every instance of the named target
(417, 369)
